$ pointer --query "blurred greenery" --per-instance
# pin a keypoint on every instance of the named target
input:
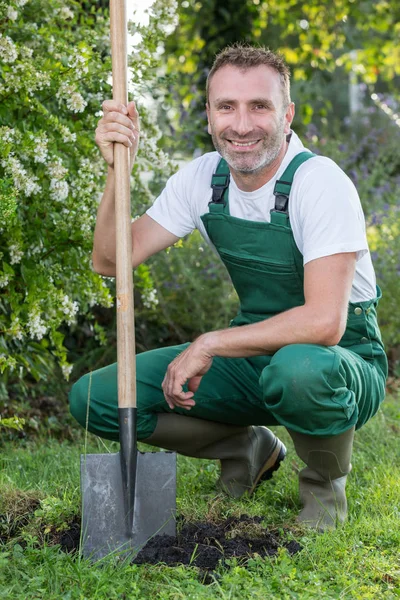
(322, 43)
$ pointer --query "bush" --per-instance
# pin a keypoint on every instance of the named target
(54, 74)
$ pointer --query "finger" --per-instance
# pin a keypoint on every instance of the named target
(186, 404)
(179, 398)
(132, 110)
(116, 117)
(113, 105)
(181, 401)
(106, 128)
(175, 391)
(194, 382)
(114, 137)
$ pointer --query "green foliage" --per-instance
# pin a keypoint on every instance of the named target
(52, 78)
(55, 513)
(12, 423)
(321, 41)
(54, 74)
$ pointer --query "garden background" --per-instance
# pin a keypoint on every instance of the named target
(57, 316)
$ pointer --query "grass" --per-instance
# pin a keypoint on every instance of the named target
(39, 493)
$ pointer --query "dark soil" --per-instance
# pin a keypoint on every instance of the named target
(203, 544)
(69, 540)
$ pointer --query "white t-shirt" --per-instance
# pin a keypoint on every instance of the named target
(324, 209)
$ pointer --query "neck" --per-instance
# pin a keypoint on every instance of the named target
(250, 182)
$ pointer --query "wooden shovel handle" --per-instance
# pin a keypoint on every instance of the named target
(124, 277)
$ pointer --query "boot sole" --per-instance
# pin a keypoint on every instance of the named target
(271, 465)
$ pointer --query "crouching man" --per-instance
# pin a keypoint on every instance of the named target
(304, 350)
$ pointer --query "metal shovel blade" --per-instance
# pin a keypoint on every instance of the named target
(104, 529)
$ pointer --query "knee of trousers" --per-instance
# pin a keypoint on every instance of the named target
(305, 388)
(78, 399)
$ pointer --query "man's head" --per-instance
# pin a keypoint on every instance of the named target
(248, 106)
(245, 57)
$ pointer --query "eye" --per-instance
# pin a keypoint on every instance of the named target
(224, 107)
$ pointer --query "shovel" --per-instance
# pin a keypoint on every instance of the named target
(130, 496)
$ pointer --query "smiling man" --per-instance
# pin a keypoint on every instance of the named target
(304, 350)
(246, 130)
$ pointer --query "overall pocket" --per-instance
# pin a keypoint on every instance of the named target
(263, 286)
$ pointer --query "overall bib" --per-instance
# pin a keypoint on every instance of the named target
(311, 389)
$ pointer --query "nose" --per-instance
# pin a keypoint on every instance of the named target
(242, 124)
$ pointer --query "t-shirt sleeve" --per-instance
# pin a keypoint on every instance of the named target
(329, 218)
(171, 209)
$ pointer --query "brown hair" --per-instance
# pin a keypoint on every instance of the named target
(244, 56)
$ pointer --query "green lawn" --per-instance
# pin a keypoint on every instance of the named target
(39, 491)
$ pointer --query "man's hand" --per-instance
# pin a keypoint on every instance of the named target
(189, 366)
(118, 124)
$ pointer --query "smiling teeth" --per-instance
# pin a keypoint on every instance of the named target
(246, 144)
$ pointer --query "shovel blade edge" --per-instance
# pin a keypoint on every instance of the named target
(104, 528)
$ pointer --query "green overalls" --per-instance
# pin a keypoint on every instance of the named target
(311, 389)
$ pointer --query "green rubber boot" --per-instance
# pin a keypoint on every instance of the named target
(322, 484)
(248, 455)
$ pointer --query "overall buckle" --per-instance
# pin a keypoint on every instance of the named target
(219, 185)
(281, 203)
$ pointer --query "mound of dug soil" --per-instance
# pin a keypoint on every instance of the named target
(204, 544)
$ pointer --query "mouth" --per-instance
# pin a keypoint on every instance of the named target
(243, 146)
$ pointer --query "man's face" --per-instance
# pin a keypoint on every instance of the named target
(247, 118)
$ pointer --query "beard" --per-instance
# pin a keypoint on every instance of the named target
(250, 162)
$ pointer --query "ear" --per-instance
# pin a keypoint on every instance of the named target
(208, 118)
(289, 116)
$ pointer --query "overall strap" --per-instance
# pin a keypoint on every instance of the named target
(220, 184)
(283, 186)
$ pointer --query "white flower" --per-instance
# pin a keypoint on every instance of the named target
(79, 63)
(66, 370)
(26, 52)
(7, 134)
(67, 135)
(76, 103)
(35, 249)
(36, 325)
(4, 279)
(22, 181)
(31, 187)
(58, 190)
(91, 299)
(69, 308)
(16, 329)
(41, 150)
(12, 13)
(74, 100)
(66, 13)
(56, 169)
(20, 2)
(8, 50)
(149, 298)
(15, 254)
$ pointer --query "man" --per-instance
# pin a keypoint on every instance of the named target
(304, 350)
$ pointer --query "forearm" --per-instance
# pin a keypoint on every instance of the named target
(104, 244)
(300, 325)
